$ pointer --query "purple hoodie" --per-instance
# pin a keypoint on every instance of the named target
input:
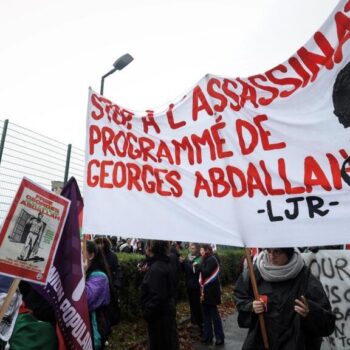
(97, 290)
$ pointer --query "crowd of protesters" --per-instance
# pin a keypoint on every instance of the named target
(296, 309)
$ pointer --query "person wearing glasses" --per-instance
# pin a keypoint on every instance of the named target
(296, 309)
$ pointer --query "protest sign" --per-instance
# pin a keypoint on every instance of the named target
(65, 285)
(256, 161)
(332, 268)
(31, 232)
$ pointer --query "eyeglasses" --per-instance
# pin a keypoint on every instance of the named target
(274, 251)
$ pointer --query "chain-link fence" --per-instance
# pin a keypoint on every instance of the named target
(46, 161)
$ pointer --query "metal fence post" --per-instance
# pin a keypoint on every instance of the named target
(3, 137)
(66, 172)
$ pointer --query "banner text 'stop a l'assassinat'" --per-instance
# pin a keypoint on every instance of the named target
(246, 161)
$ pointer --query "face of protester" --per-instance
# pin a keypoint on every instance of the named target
(202, 251)
(193, 249)
(148, 251)
(277, 257)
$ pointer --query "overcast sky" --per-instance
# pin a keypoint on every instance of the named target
(52, 51)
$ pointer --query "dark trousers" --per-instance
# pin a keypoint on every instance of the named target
(162, 332)
(212, 318)
(194, 296)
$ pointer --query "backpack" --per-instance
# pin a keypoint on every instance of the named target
(100, 320)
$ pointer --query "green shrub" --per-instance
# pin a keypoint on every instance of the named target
(132, 278)
(229, 265)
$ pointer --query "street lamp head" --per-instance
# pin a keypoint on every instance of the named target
(119, 64)
(122, 61)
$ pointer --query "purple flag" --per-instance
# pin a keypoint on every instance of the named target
(66, 283)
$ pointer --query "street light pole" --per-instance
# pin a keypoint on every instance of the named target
(119, 64)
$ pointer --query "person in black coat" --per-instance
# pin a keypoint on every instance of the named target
(112, 261)
(115, 271)
(296, 309)
(192, 284)
(174, 256)
(157, 298)
(140, 249)
(209, 270)
(127, 247)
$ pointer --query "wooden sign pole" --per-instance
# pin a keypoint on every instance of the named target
(257, 297)
(9, 297)
(84, 249)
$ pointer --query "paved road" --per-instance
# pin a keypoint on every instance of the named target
(234, 336)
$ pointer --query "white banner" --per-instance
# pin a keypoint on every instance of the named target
(332, 268)
(240, 161)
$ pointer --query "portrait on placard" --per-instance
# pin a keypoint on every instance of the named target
(341, 103)
(31, 232)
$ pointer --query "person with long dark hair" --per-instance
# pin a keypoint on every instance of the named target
(97, 288)
(174, 256)
(157, 298)
(116, 277)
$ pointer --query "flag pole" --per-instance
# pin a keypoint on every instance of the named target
(9, 296)
(257, 297)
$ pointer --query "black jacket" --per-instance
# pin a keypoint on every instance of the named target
(174, 257)
(115, 269)
(113, 309)
(157, 288)
(286, 329)
(191, 275)
(212, 291)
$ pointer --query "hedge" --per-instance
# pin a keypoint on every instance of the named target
(132, 278)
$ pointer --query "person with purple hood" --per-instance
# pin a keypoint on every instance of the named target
(97, 288)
